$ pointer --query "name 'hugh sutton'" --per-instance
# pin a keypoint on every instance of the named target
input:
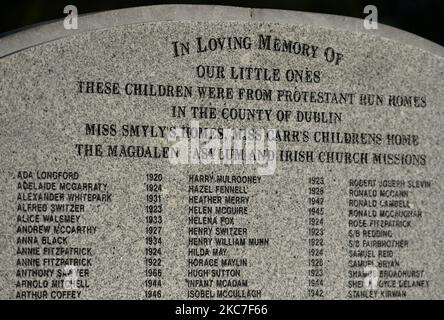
(264, 42)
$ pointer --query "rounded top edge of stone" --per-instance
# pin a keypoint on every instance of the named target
(44, 32)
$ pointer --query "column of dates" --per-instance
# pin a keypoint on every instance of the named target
(153, 236)
(316, 237)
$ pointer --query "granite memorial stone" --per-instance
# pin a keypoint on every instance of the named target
(208, 152)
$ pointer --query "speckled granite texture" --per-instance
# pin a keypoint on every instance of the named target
(43, 116)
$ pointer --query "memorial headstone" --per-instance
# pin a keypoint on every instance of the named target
(206, 152)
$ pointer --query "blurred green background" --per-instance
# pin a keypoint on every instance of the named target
(424, 18)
